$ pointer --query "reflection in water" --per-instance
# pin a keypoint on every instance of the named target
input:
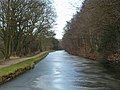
(61, 71)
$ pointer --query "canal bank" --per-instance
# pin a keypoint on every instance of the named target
(62, 71)
(14, 68)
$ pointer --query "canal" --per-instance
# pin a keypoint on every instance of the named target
(62, 71)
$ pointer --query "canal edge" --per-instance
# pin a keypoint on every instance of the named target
(15, 73)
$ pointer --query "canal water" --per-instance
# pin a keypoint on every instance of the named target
(62, 71)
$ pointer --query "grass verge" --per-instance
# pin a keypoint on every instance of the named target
(24, 64)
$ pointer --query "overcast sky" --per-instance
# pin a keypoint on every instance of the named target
(65, 10)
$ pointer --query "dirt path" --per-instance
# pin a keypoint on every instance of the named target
(17, 60)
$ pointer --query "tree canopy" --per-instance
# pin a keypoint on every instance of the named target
(24, 24)
(94, 31)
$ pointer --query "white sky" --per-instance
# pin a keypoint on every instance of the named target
(65, 11)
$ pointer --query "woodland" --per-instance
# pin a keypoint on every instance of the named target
(94, 31)
(26, 27)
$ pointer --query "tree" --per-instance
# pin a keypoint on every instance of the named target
(94, 29)
(110, 40)
(21, 22)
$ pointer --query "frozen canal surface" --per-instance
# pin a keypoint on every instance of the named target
(62, 71)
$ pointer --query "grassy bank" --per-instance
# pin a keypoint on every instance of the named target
(27, 63)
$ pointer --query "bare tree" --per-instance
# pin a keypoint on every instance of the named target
(21, 21)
